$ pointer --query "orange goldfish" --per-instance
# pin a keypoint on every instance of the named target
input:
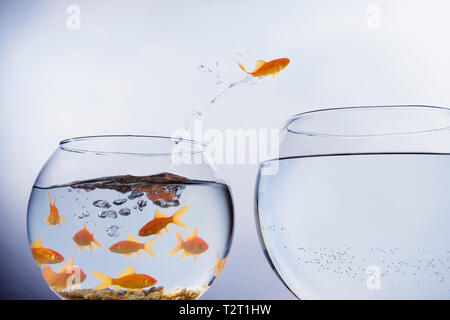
(131, 245)
(53, 216)
(219, 265)
(84, 238)
(161, 221)
(44, 255)
(192, 246)
(128, 279)
(271, 68)
(66, 276)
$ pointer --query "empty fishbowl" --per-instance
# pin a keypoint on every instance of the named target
(357, 204)
(129, 217)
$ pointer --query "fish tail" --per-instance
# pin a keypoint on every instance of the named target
(105, 280)
(242, 67)
(176, 218)
(218, 263)
(178, 246)
(96, 242)
(148, 248)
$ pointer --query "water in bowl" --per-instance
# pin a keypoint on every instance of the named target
(361, 226)
(112, 209)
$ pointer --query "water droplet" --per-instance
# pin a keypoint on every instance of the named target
(108, 214)
(141, 204)
(84, 214)
(113, 231)
(119, 202)
(135, 194)
(124, 211)
(101, 204)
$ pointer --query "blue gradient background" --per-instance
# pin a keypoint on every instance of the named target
(131, 69)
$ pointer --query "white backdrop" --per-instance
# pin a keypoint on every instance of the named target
(132, 69)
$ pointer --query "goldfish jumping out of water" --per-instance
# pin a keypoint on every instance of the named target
(84, 238)
(44, 255)
(130, 245)
(67, 276)
(192, 246)
(219, 265)
(161, 221)
(271, 68)
(53, 217)
(128, 279)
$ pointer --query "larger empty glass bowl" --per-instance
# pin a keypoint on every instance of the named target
(357, 206)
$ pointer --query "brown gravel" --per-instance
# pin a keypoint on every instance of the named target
(154, 293)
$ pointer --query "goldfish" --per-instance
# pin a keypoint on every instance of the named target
(53, 216)
(130, 245)
(192, 246)
(128, 279)
(84, 238)
(219, 265)
(161, 221)
(67, 275)
(43, 255)
(271, 68)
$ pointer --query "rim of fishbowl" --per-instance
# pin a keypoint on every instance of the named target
(317, 133)
(63, 145)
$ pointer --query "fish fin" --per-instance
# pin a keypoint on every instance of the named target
(148, 248)
(96, 242)
(62, 218)
(138, 254)
(37, 263)
(128, 271)
(47, 273)
(54, 200)
(178, 246)
(131, 238)
(46, 220)
(218, 262)
(184, 254)
(275, 75)
(192, 235)
(258, 65)
(105, 280)
(49, 200)
(91, 247)
(37, 243)
(242, 67)
(176, 217)
(84, 225)
(159, 214)
(66, 266)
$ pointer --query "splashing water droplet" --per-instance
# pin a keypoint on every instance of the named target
(112, 231)
(101, 204)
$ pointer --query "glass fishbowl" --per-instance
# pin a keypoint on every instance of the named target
(130, 217)
(357, 204)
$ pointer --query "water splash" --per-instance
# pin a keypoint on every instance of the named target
(196, 113)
